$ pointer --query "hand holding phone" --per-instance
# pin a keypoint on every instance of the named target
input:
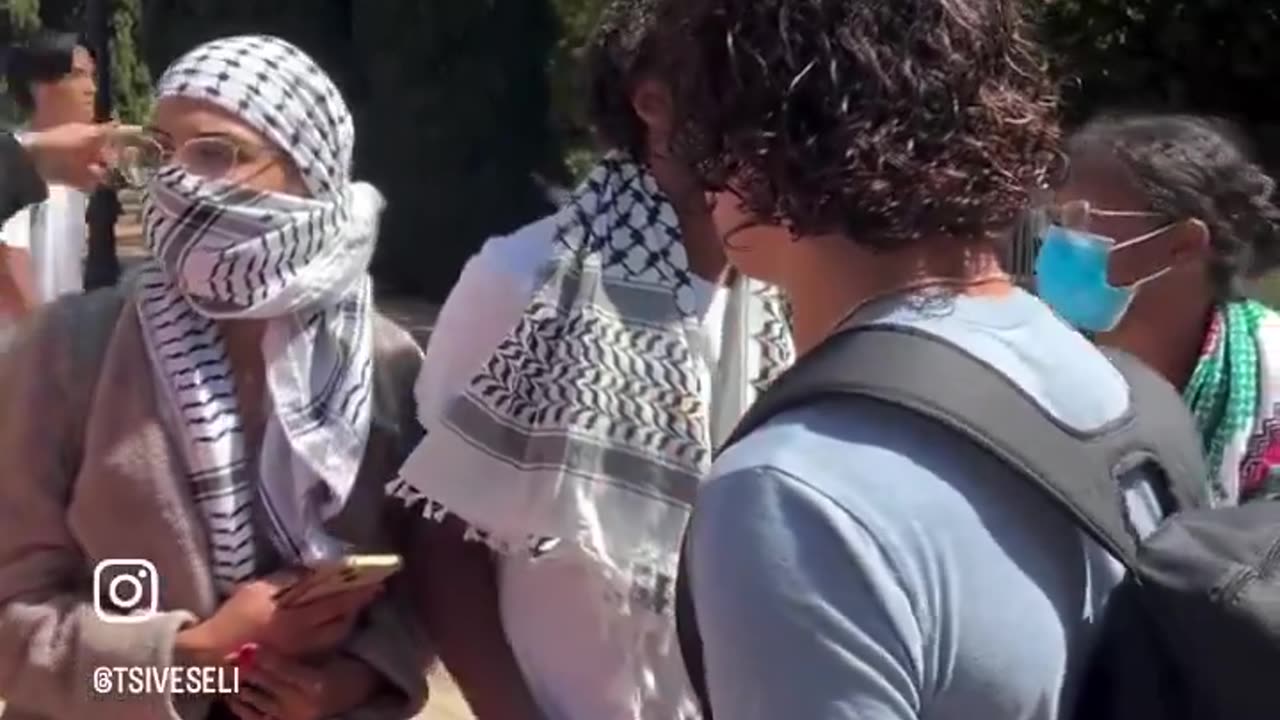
(343, 575)
(253, 615)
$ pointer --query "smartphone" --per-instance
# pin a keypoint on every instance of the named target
(331, 577)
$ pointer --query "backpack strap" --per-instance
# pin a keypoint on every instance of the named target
(926, 374)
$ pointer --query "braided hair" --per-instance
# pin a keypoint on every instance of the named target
(1193, 167)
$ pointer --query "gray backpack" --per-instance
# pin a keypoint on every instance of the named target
(1193, 632)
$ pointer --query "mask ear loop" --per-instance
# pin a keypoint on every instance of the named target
(1140, 239)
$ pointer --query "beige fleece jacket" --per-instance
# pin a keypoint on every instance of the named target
(87, 472)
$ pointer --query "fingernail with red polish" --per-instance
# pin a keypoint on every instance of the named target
(245, 656)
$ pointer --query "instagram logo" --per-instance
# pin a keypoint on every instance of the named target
(125, 591)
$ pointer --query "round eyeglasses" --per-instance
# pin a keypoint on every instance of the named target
(137, 156)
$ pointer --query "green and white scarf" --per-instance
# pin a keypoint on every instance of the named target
(1234, 393)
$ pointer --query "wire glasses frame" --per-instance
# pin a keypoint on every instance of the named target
(137, 157)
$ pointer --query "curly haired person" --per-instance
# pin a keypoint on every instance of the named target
(580, 374)
(849, 558)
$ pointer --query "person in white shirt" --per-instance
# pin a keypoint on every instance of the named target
(42, 247)
(579, 377)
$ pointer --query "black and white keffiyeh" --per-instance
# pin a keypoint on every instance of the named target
(589, 423)
(222, 251)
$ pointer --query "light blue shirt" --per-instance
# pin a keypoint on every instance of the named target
(853, 560)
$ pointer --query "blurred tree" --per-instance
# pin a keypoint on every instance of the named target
(456, 124)
(21, 16)
(577, 19)
(17, 17)
(1204, 56)
(130, 80)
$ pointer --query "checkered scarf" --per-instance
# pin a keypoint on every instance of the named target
(587, 425)
(221, 251)
(1234, 393)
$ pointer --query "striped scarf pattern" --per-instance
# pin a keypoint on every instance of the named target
(588, 426)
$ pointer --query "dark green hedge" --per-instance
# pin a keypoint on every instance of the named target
(459, 101)
(1216, 57)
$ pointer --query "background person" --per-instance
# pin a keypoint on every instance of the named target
(69, 154)
(577, 378)
(1167, 217)
(233, 412)
(51, 76)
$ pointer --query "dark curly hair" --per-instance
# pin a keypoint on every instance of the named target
(1193, 167)
(621, 49)
(886, 121)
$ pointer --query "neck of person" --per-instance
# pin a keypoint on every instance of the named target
(702, 244)
(243, 341)
(44, 121)
(834, 277)
(1170, 348)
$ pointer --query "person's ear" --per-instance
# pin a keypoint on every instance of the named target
(651, 100)
(1190, 242)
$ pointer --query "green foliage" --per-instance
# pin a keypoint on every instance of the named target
(24, 15)
(16, 17)
(1204, 56)
(577, 18)
(130, 80)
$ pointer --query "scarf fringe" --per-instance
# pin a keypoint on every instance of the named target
(645, 585)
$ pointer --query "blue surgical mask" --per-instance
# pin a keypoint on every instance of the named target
(1071, 277)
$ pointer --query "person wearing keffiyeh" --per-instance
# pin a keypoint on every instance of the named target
(228, 415)
(1207, 222)
(577, 380)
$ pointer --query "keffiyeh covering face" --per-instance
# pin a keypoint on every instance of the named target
(588, 425)
(224, 251)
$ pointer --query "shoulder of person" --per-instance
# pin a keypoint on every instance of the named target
(795, 435)
(99, 308)
(1269, 342)
(521, 253)
(396, 353)
(67, 338)
(496, 284)
(16, 230)
(1270, 319)
(64, 195)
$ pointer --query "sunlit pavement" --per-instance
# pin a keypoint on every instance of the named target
(446, 702)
